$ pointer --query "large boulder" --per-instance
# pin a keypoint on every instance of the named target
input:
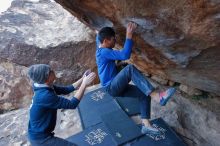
(13, 126)
(15, 88)
(43, 32)
(40, 32)
(177, 40)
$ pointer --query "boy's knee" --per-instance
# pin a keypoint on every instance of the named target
(131, 67)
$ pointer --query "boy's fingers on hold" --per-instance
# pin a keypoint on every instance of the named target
(92, 75)
(129, 24)
(134, 25)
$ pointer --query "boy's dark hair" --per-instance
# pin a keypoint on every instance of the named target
(106, 33)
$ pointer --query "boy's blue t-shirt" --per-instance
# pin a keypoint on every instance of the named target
(105, 60)
(43, 110)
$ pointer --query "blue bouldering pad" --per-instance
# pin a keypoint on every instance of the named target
(117, 128)
(129, 104)
(95, 98)
(121, 127)
(168, 137)
(97, 135)
(129, 100)
(106, 124)
(95, 104)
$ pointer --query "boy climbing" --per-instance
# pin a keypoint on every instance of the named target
(118, 82)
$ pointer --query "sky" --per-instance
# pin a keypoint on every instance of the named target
(4, 5)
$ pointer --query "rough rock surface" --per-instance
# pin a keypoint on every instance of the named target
(179, 40)
(190, 90)
(15, 89)
(40, 32)
(14, 124)
(196, 121)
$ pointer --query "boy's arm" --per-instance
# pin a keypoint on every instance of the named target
(124, 53)
(130, 30)
(58, 102)
(77, 84)
(64, 90)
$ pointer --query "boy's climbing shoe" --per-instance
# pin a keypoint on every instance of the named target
(149, 130)
(165, 96)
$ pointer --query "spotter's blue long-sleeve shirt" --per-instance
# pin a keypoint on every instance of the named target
(105, 60)
(43, 111)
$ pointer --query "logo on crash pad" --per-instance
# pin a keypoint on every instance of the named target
(117, 134)
(160, 136)
(95, 137)
(99, 95)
